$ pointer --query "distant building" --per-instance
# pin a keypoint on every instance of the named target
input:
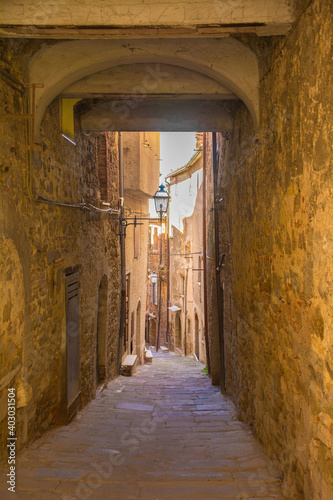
(141, 175)
(157, 272)
(186, 279)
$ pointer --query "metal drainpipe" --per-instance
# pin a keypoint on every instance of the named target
(219, 289)
(204, 246)
(122, 251)
(159, 293)
(168, 269)
(185, 300)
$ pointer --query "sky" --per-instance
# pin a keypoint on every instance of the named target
(176, 149)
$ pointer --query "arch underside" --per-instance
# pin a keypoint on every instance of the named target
(145, 85)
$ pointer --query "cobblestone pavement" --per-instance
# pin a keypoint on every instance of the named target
(164, 433)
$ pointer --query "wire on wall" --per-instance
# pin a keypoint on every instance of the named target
(83, 205)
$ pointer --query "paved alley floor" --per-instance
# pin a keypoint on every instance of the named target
(164, 433)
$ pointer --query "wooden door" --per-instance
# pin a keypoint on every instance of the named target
(73, 334)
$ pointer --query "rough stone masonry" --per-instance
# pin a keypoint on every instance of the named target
(276, 233)
(39, 242)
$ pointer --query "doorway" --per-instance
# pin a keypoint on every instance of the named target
(178, 331)
(138, 325)
(101, 331)
(196, 335)
(73, 334)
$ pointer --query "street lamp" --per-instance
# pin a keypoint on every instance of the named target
(161, 200)
(153, 278)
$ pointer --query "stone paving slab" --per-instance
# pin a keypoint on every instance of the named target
(164, 433)
(135, 406)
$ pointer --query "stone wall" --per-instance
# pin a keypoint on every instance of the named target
(277, 230)
(136, 245)
(39, 242)
(177, 288)
(212, 306)
(154, 248)
(141, 175)
(193, 233)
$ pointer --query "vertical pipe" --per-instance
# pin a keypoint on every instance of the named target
(168, 269)
(122, 230)
(185, 300)
(159, 293)
(204, 247)
(219, 290)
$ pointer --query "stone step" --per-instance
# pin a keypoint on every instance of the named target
(148, 357)
(129, 365)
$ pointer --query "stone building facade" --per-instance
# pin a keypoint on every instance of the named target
(141, 175)
(59, 263)
(193, 236)
(155, 303)
(276, 235)
(178, 287)
(256, 73)
(186, 262)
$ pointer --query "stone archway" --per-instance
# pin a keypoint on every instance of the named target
(225, 61)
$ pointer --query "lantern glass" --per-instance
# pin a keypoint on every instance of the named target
(161, 200)
(153, 278)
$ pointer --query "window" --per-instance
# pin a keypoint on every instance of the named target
(182, 285)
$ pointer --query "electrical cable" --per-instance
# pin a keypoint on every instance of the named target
(82, 205)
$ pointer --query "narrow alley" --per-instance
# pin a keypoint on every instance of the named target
(165, 432)
(113, 240)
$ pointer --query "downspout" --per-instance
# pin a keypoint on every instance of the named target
(204, 246)
(122, 230)
(218, 264)
(159, 293)
(185, 300)
(168, 269)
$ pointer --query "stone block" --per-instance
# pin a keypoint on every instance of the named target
(148, 357)
(129, 365)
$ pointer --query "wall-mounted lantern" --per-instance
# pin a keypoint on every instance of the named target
(161, 200)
